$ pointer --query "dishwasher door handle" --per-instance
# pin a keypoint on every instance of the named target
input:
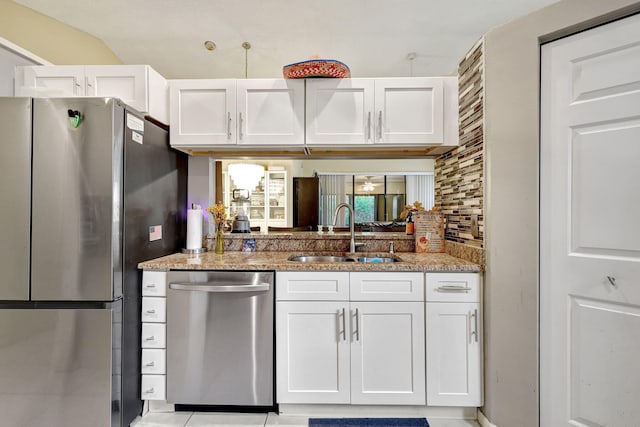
(211, 287)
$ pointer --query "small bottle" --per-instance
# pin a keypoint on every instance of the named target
(409, 225)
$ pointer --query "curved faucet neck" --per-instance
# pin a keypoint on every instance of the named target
(352, 243)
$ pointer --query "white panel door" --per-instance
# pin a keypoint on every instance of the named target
(270, 111)
(590, 228)
(312, 352)
(387, 353)
(56, 81)
(202, 112)
(409, 110)
(339, 111)
(454, 364)
(127, 82)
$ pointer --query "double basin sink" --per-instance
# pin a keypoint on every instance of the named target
(333, 258)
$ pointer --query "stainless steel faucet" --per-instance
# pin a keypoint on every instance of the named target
(352, 246)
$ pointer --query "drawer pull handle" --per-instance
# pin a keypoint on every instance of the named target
(151, 311)
(150, 364)
(150, 285)
(149, 391)
(453, 288)
(151, 338)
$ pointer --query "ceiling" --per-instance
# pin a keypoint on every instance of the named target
(373, 37)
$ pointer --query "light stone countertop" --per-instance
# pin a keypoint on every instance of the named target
(235, 260)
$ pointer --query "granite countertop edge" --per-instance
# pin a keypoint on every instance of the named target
(278, 261)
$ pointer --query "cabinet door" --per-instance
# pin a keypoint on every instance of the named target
(387, 353)
(127, 82)
(59, 80)
(277, 198)
(202, 112)
(339, 111)
(453, 354)
(270, 111)
(312, 352)
(409, 110)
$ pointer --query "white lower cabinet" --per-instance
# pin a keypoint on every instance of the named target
(454, 340)
(359, 352)
(387, 353)
(312, 352)
(153, 337)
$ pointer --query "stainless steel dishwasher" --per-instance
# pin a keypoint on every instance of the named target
(220, 338)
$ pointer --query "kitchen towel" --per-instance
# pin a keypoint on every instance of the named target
(368, 422)
(194, 227)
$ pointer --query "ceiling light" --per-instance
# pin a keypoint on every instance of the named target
(209, 45)
(368, 185)
(246, 175)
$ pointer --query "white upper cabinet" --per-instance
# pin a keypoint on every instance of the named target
(339, 111)
(224, 112)
(202, 112)
(409, 111)
(60, 80)
(382, 111)
(139, 86)
(270, 112)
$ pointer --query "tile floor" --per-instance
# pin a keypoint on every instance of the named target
(208, 419)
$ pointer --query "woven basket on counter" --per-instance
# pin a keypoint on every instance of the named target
(429, 231)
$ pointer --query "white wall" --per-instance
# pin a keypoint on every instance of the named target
(366, 165)
(511, 192)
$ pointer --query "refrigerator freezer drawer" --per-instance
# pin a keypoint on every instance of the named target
(154, 361)
(154, 335)
(154, 309)
(154, 283)
(56, 367)
(153, 387)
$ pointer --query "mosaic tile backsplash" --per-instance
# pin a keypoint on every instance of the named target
(459, 173)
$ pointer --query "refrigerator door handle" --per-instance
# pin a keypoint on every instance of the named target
(213, 287)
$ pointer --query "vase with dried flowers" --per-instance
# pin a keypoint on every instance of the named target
(219, 214)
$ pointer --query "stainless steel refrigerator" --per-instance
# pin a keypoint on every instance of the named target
(88, 188)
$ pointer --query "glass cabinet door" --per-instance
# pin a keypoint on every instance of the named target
(277, 198)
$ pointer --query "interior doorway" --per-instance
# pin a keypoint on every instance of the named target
(590, 228)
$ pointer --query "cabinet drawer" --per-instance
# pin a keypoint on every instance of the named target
(154, 283)
(453, 287)
(154, 335)
(377, 286)
(154, 361)
(312, 286)
(153, 387)
(154, 309)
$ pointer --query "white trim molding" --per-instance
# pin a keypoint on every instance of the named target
(23, 52)
(483, 421)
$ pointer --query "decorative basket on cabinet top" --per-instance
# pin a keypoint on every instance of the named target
(316, 68)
